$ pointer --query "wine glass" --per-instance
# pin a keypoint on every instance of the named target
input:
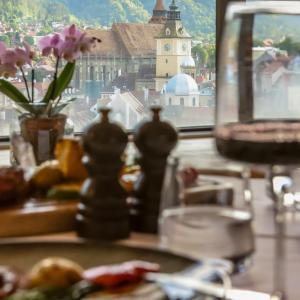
(258, 100)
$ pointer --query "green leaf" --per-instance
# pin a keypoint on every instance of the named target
(56, 110)
(12, 92)
(62, 82)
(15, 95)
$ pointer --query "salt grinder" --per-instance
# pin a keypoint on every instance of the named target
(155, 140)
(103, 213)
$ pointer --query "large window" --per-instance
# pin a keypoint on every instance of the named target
(152, 52)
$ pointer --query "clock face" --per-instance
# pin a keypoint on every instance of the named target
(167, 47)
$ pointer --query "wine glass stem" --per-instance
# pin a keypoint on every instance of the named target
(280, 227)
(246, 177)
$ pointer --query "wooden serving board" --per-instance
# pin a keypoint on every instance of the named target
(37, 218)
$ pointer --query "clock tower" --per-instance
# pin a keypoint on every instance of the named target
(173, 46)
(159, 15)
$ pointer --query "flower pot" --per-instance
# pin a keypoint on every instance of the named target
(43, 134)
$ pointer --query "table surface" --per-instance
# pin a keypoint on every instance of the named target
(260, 274)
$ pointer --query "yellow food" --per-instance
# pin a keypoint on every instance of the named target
(129, 176)
(58, 272)
(69, 153)
(47, 175)
(65, 191)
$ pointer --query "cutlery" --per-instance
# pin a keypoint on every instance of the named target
(206, 288)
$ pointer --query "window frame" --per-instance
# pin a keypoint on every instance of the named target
(221, 6)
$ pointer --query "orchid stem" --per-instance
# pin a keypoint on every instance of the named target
(32, 84)
(26, 84)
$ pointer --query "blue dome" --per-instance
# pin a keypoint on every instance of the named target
(181, 85)
(188, 62)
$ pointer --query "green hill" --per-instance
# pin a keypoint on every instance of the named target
(198, 15)
(38, 10)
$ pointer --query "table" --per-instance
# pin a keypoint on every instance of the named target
(199, 153)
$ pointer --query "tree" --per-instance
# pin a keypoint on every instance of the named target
(29, 40)
(211, 49)
(258, 43)
(5, 39)
(201, 55)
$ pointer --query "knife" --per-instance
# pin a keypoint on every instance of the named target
(206, 288)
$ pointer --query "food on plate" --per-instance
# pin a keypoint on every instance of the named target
(67, 191)
(61, 179)
(9, 281)
(47, 175)
(55, 272)
(143, 291)
(12, 185)
(189, 176)
(62, 279)
(113, 276)
(69, 153)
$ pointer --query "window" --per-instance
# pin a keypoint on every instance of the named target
(125, 69)
(170, 101)
(182, 101)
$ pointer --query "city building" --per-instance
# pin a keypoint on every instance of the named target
(159, 15)
(174, 49)
(126, 57)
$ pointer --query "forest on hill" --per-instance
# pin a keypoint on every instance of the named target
(198, 15)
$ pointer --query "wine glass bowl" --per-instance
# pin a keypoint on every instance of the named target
(258, 103)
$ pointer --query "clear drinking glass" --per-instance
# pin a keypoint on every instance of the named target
(198, 218)
(258, 103)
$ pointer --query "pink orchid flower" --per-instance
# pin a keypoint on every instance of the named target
(2, 48)
(51, 44)
(70, 51)
(24, 56)
(69, 44)
(9, 57)
(85, 43)
(72, 33)
(8, 70)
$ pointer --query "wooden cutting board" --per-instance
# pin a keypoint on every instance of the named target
(37, 218)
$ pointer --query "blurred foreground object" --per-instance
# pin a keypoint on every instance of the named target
(103, 213)
(155, 140)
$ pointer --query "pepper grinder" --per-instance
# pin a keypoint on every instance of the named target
(155, 140)
(103, 213)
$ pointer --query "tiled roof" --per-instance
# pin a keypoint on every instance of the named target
(159, 5)
(127, 40)
(109, 45)
(138, 39)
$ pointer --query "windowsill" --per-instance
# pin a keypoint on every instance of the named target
(4, 146)
(183, 135)
(193, 149)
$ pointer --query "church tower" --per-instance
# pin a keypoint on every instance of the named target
(159, 15)
(173, 47)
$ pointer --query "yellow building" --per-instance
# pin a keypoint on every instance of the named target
(174, 47)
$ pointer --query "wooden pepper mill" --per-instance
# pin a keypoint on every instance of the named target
(154, 140)
(103, 213)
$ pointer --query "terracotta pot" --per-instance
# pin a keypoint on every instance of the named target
(43, 134)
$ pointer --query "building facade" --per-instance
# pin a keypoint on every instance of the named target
(173, 47)
(126, 54)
